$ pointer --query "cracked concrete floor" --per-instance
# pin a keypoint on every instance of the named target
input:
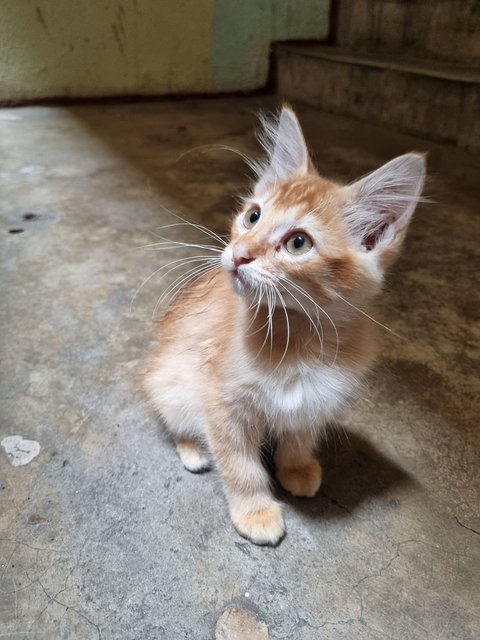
(103, 534)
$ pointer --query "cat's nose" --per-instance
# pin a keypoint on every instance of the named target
(241, 255)
(242, 260)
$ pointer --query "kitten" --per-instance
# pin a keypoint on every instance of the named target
(273, 343)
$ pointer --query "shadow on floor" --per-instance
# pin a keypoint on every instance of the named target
(354, 471)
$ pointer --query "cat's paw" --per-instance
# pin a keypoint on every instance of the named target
(193, 456)
(304, 481)
(265, 526)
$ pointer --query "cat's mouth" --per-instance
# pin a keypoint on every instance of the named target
(236, 273)
(245, 281)
(241, 283)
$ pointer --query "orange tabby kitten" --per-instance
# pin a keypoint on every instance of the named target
(274, 341)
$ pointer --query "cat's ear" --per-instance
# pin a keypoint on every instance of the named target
(285, 145)
(379, 207)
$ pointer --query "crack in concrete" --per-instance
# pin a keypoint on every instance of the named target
(386, 566)
(335, 502)
(301, 622)
(464, 526)
(360, 618)
(333, 623)
(380, 572)
(25, 544)
(54, 598)
(68, 607)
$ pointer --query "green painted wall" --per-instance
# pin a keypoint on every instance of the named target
(111, 47)
(243, 32)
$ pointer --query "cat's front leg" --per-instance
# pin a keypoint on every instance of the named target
(254, 512)
(297, 469)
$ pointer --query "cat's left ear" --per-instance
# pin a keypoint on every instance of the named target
(286, 149)
(379, 207)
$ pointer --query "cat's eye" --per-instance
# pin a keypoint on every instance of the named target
(298, 243)
(252, 217)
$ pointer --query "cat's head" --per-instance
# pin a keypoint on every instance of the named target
(299, 231)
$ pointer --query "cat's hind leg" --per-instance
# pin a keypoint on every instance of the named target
(192, 454)
(297, 469)
(182, 417)
(188, 437)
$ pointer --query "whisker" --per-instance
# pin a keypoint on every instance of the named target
(173, 244)
(316, 309)
(183, 280)
(205, 148)
(287, 341)
(370, 317)
(178, 263)
(320, 337)
(255, 305)
(259, 304)
(272, 309)
(302, 291)
(196, 225)
(267, 323)
(211, 234)
(184, 261)
(142, 285)
(177, 283)
(320, 308)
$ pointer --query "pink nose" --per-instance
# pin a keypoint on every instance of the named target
(238, 260)
(241, 255)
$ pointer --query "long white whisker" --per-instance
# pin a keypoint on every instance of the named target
(309, 297)
(267, 323)
(186, 260)
(312, 323)
(190, 244)
(273, 298)
(186, 224)
(178, 263)
(177, 283)
(142, 285)
(202, 259)
(320, 308)
(255, 305)
(183, 280)
(205, 148)
(287, 341)
(196, 225)
(259, 304)
(316, 307)
(174, 244)
(369, 317)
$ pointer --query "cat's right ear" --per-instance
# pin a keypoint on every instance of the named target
(287, 152)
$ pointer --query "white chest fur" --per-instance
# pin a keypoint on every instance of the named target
(300, 396)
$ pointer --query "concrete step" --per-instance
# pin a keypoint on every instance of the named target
(427, 98)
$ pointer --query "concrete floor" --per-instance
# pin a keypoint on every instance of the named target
(103, 534)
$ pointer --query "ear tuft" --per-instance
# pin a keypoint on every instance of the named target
(380, 206)
(284, 143)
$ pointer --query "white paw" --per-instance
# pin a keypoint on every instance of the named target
(264, 526)
(193, 457)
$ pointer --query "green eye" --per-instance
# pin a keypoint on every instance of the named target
(252, 217)
(298, 244)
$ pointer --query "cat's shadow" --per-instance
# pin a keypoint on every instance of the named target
(354, 472)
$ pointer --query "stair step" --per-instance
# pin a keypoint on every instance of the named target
(432, 99)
